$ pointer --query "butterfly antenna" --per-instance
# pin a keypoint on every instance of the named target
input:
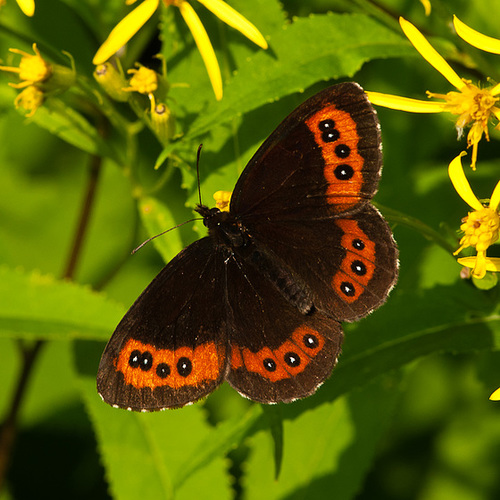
(198, 154)
(164, 232)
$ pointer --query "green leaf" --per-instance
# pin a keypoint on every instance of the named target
(146, 453)
(38, 306)
(325, 47)
(66, 123)
(157, 218)
(327, 452)
(275, 419)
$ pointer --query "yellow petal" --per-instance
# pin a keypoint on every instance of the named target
(429, 53)
(476, 39)
(496, 395)
(496, 89)
(427, 6)
(495, 198)
(204, 46)
(125, 30)
(234, 19)
(461, 184)
(27, 6)
(491, 263)
(404, 103)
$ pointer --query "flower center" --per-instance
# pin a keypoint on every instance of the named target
(472, 104)
(144, 80)
(481, 229)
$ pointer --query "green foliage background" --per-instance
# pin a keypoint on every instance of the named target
(406, 413)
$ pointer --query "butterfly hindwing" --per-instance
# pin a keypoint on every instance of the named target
(349, 263)
(278, 354)
(170, 348)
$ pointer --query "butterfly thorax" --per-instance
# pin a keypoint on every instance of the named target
(223, 227)
(230, 235)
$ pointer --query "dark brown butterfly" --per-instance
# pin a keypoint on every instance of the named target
(259, 302)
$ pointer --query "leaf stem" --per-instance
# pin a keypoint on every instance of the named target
(30, 352)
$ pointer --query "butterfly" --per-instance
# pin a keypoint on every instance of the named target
(259, 302)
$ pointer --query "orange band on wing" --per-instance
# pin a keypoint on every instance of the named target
(358, 266)
(143, 365)
(287, 361)
(336, 134)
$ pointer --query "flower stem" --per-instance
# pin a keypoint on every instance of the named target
(396, 217)
(30, 351)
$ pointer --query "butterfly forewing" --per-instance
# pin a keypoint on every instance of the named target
(323, 159)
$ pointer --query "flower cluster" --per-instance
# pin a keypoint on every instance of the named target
(38, 78)
(475, 107)
(134, 21)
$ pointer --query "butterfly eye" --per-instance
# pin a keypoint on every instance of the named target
(184, 367)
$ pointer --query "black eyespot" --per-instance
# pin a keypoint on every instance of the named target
(358, 244)
(310, 341)
(343, 172)
(146, 361)
(163, 370)
(184, 367)
(292, 359)
(330, 135)
(135, 359)
(347, 289)
(269, 364)
(357, 267)
(324, 125)
(342, 150)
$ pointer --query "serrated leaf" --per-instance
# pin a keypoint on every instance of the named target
(37, 306)
(144, 453)
(325, 47)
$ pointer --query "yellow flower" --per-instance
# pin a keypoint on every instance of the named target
(481, 226)
(427, 6)
(474, 106)
(143, 80)
(222, 200)
(476, 39)
(27, 6)
(32, 68)
(496, 395)
(31, 98)
(134, 21)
